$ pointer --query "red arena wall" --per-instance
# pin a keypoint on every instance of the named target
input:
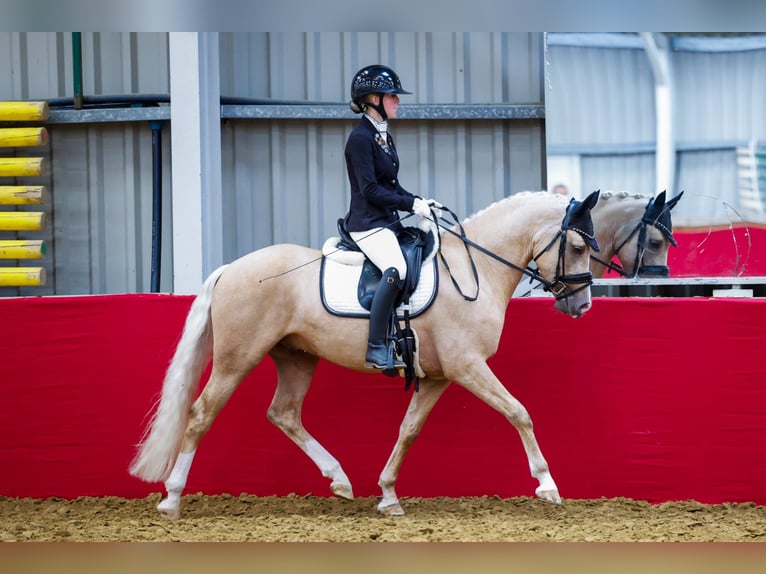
(728, 251)
(654, 399)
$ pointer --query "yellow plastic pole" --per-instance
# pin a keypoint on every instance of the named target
(23, 194)
(23, 220)
(22, 248)
(23, 137)
(22, 166)
(22, 276)
(23, 111)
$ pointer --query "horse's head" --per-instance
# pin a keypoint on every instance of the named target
(642, 246)
(564, 262)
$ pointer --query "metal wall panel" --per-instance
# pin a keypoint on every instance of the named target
(600, 103)
(629, 172)
(438, 67)
(709, 178)
(605, 96)
(100, 177)
(100, 210)
(283, 179)
(293, 170)
(38, 65)
(599, 97)
(720, 96)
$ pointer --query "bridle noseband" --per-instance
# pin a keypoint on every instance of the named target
(558, 287)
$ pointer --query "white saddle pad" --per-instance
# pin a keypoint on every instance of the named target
(339, 283)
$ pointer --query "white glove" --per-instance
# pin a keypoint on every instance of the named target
(434, 203)
(420, 207)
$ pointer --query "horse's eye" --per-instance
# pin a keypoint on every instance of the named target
(578, 249)
(655, 243)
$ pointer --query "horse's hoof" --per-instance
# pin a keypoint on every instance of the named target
(168, 511)
(391, 510)
(343, 490)
(551, 496)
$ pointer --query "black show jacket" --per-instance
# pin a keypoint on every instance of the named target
(376, 195)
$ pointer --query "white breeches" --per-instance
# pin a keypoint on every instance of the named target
(382, 248)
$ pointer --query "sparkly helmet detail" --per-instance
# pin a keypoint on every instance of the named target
(375, 79)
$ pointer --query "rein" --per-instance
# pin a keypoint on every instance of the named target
(557, 287)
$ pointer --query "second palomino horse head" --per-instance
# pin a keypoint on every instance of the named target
(236, 321)
(637, 229)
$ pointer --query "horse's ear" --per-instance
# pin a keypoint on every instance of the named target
(657, 213)
(672, 203)
(578, 218)
(590, 202)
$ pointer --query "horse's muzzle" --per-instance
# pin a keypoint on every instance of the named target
(575, 304)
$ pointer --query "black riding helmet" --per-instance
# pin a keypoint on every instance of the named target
(375, 79)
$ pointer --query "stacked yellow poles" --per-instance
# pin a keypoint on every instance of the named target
(12, 167)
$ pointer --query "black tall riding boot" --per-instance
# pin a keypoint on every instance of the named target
(380, 314)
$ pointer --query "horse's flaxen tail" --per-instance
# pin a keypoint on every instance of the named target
(162, 438)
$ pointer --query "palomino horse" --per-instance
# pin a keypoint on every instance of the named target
(236, 320)
(637, 229)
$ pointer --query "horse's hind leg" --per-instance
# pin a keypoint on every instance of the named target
(205, 409)
(295, 369)
(420, 406)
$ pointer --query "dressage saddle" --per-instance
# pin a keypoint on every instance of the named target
(414, 242)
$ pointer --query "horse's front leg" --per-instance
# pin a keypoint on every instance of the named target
(295, 370)
(482, 382)
(420, 406)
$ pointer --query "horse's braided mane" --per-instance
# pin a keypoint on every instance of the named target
(516, 197)
(604, 195)
(621, 195)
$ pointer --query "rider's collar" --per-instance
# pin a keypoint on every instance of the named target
(382, 127)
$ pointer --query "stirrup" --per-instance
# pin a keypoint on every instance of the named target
(397, 364)
(394, 371)
(390, 363)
